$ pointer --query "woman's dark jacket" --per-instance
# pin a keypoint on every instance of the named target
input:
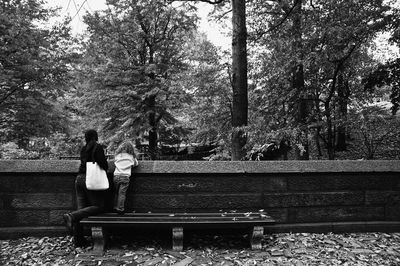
(87, 156)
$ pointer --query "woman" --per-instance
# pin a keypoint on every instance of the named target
(89, 202)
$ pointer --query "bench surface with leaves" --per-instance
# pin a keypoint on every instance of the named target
(254, 221)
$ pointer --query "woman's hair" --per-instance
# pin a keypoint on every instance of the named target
(126, 147)
(91, 135)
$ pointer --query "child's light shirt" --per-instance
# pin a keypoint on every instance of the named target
(123, 164)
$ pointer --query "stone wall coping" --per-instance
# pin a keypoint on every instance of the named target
(197, 167)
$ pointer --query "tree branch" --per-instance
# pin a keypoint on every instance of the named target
(288, 13)
(8, 95)
(214, 2)
(336, 72)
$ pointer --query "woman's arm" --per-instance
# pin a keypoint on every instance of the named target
(101, 158)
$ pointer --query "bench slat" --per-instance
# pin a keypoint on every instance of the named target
(173, 220)
(194, 219)
(246, 214)
(197, 215)
(172, 224)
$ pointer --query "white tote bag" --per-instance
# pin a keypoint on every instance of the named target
(96, 178)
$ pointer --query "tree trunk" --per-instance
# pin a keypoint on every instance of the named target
(239, 79)
(317, 142)
(153, 138)
(298, 79)
(343, 94)
(153, 134)
(330, 136)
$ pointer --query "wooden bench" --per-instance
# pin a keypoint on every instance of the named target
(254, 221)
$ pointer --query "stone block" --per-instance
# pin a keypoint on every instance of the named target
(313, 199)
(383, 226)
(371, 226)
(336, 214)
(159, 201)
(32, 231)
(275, 183)
(223, 201)
(334, 166)
(237, 184)
(39, 166)
(382, 197)
(348, 227)
(42, 201)
(343, 181)
(392, 212)
(7, 218)
(55, 217)
(199, 167)
(37, 183)
(24, 218)
(171, 184)
(299, 228)
(34, 217)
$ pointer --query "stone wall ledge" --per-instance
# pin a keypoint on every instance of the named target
(336, 227)
(207, 167)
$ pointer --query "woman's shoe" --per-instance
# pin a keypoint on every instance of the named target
(119, 211)
(68, 222)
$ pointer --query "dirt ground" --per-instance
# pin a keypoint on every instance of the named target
(277, 249)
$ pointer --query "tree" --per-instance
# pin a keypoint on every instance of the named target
(239, 79)
(239, 75)
(33, 71)
(209, 112)
(335, 36)
(387, 74)
(137, 49)
(377, 132)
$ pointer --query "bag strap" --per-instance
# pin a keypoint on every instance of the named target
(94, 150)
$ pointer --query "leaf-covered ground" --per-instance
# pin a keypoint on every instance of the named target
(278, 249)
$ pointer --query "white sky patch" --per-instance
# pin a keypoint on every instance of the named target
(77, 8)
(384, 50)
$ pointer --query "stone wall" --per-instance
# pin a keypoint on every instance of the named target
(300, 195)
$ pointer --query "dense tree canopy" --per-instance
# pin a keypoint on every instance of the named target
(135, 52)
(33, 71)
(301, 78)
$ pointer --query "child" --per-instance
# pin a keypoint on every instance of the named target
(125, 159)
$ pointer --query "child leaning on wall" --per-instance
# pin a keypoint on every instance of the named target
(125, 159)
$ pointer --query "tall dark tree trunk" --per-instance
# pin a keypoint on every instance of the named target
(153, 137)
(239, 78)
(151, 104)
(343, 95)
(317, 142)
(330, 136)
(298, 79)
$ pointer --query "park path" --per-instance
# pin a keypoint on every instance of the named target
(278, 249)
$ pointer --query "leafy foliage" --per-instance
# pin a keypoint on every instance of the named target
(386, 75)
(376, 133)
(135, 52)
(334, 56)
(33, 71)
(144, 72)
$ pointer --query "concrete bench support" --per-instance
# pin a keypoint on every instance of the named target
(256, 237)
(177, 238)
(99, 241)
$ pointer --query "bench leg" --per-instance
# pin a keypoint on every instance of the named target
(257, 235)
(177, 238)
(99, 243)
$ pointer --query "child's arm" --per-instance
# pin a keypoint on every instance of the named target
(135, 162)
